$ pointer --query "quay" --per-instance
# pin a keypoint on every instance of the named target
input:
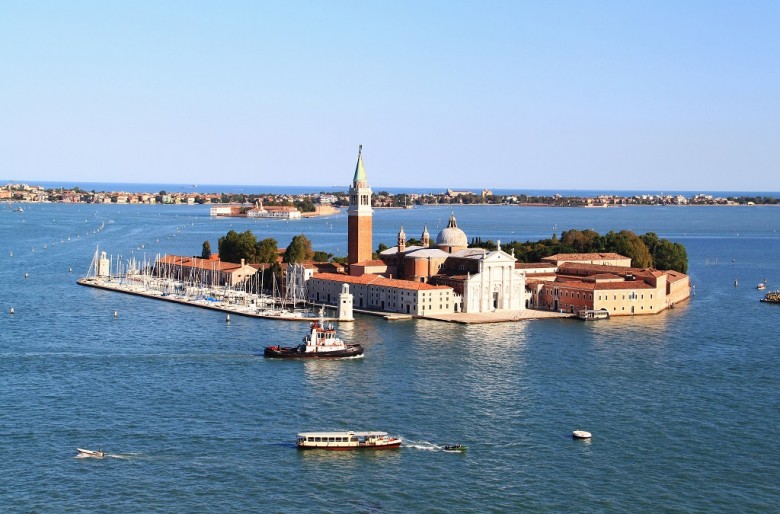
(467, 318)
(252, 311)
(475, 318)
(203, 303)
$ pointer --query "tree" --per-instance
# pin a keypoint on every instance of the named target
(267, 251)
(320, 256)
(234, 246)
(585, 241)
(631, 245)
(669, 255)
(299, 250)
(381, 248)
(206, 252)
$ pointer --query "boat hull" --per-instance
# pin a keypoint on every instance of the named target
(294, 352)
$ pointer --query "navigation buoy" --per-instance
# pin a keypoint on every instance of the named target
(736, 283)
(26, 275)
(12, 311)
(70, 270)
(227, 318)
(116, 314)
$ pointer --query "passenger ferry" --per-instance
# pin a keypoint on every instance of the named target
(590, 315)
(347, 441)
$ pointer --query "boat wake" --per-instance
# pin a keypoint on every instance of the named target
(426, 446)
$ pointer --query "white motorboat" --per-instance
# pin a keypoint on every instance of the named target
(95, 454)
(581, 434)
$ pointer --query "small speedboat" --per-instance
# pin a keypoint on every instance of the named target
(95, 454)
(761, 286)
(455, 448)
(581, 434)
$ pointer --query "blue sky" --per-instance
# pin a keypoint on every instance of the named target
(679, 95)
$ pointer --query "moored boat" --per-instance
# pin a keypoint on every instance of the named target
(347, 441)
(761, 286)
(771, 297)
(455, 448)
(321, 343)
(581, 434)
(591, 314)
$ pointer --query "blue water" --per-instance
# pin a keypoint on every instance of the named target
(683, 405)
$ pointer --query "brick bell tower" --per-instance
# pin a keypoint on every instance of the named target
(359, 215)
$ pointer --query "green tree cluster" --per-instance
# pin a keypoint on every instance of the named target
(235, 246)
(646, 251)
(299, 250)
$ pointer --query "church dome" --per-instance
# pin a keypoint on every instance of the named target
(452, 236)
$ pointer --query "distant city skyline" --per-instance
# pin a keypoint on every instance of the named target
(662, 96)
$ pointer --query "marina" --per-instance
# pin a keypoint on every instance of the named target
(138, 280)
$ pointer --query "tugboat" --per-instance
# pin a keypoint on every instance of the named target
(347, 441)
(321, 343)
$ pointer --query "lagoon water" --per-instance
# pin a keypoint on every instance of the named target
(683, 406)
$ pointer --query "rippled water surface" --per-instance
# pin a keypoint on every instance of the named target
(683, 405)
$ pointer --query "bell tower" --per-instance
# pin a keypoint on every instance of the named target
(359, 216)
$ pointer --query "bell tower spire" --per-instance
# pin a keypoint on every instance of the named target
(359, 215)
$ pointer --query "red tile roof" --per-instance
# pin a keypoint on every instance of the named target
(378, 280)
(197, 262)
(586, 256)
(601, 286)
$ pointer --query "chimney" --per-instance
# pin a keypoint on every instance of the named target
(242, 263)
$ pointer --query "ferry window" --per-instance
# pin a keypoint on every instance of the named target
(331, 439)
(353, 439)
(317, 440)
